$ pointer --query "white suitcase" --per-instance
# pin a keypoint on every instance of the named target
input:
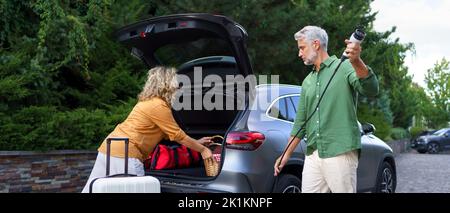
(123, 183)
(145, 184)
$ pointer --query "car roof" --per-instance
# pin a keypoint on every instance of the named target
(284, 89)
(267, 93)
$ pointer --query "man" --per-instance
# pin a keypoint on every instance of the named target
(333, 137)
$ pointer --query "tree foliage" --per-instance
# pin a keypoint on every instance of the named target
(66, 81)
(63, 76)
(438, 88)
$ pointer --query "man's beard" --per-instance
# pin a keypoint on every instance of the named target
(311, 59)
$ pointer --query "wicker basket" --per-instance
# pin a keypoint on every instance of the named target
(212, 164)
(211, 167)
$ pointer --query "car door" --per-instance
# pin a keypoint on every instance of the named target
(366, 172)
(283, 112)
(446, 138)
(146, 37)
(188, 42)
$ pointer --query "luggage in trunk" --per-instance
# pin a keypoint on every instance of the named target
(172, 161)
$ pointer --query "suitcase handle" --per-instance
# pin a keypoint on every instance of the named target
(108, 153)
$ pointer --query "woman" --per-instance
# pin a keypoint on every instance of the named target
(148, 123)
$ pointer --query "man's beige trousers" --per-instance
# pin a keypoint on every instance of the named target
(335, 174)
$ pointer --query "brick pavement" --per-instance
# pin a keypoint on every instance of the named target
(423, 173)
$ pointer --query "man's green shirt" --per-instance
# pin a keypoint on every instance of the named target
(333, 129)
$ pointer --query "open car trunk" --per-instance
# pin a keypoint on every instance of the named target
(211, 118)
(210, 108)
(207, 50)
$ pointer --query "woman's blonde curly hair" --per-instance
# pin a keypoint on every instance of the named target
(161, 82)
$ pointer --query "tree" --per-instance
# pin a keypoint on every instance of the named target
(422, 105)
(65, 82)
(60, 63)
(438, 88)
(271, 26)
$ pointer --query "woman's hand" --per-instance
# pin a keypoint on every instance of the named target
(206, 153)
(205, 141)
(199, 145)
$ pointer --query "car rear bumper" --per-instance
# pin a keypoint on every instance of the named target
(418, 146)
(226, 182)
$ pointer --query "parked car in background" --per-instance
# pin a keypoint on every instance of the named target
(426, 132)
(413, 141)
(254, 136)
(433, 143)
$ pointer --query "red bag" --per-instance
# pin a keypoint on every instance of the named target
(172, 157)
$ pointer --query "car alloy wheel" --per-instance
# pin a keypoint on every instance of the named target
(387, 183)
(292, 189)
(433, 148)
(287, 183)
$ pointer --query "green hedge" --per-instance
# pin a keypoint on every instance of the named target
(415, 131)
(47, 128)
(399, 133)
(377, 118)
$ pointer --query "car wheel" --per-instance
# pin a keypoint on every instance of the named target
(386, 180)
(288, 183)
(433, 148)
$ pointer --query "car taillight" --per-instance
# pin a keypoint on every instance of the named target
(244, 140)
(183, 24)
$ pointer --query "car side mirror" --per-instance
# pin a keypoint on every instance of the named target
(368, 128)
(446, 135)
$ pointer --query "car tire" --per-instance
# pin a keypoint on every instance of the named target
(433, 148)
(288, 183)
(386, 179)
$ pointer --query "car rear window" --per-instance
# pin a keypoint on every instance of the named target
(440, 132)
(279, 110)
(176, 54)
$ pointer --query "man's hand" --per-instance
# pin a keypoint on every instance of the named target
(353, 51)
(278, 166)
(279, 163)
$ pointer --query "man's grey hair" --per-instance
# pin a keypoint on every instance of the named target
(310, 33)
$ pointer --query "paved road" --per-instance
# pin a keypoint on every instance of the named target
(423, 173)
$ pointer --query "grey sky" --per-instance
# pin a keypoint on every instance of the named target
(426, 23)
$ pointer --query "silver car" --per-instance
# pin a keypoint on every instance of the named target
(257, 125)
